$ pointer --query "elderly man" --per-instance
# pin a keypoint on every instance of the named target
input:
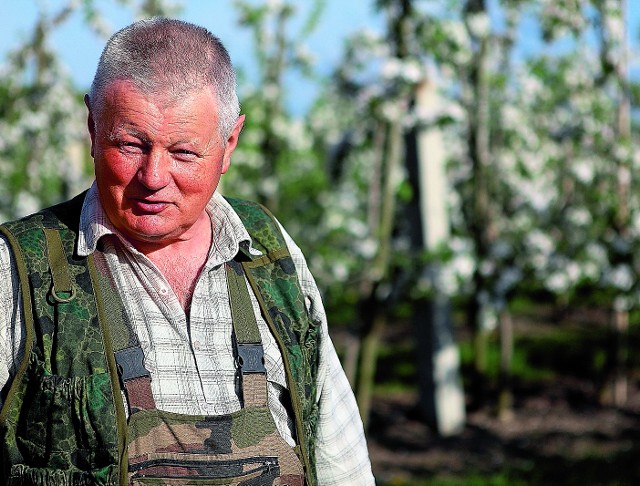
(152, 331)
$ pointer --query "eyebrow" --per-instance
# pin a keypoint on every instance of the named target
(117, 131)
(131, 130)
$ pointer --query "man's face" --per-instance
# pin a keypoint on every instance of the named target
(158, 161)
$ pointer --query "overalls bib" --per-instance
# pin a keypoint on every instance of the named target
(242, 448)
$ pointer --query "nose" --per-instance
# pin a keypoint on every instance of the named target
(155, 171)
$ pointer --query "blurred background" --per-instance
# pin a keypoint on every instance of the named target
(462, 177)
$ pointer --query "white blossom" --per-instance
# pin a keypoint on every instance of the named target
(620, 277)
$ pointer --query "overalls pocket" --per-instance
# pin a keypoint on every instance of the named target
(207, 469)
(240, 448)
(22, 475)
(67, 424)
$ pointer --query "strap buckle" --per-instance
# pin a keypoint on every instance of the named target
(251, 358)
(130, 363)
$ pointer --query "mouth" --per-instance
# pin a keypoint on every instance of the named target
(150, 207)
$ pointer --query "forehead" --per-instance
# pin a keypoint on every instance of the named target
(122, 98)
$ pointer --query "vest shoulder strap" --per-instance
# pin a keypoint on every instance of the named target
(274, 280)
(62, 293)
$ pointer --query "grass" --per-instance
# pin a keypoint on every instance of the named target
(539, 355)
(501, 479)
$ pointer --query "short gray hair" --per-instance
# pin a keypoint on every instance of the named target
(169, 56)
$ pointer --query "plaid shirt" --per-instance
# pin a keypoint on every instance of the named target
(190, 358)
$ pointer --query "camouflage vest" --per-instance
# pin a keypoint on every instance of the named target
(63, 421)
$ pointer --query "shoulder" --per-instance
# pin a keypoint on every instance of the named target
(262, 226)
(63, 215)
(8, 277)
(6, 259)
(253, 215)
(11, 314)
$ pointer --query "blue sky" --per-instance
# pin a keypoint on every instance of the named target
(80, 48)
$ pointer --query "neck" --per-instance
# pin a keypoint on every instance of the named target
(181, 262)
(185, 240)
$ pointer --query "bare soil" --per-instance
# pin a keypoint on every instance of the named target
(550, 439)
(560, 432)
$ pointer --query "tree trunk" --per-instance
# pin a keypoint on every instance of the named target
(371, 309)
(441, 397)
(505, 394)
(620, 382)
(480, 218)
(352, 346)
(481, 337)
(619, 385)
(368, 365)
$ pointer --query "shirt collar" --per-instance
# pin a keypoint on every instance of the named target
(229, 234)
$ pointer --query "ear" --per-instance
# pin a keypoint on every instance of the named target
(90, 123)
(232, 142)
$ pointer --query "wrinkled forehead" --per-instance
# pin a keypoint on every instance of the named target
(160, 85)
(120, 92)
(126, 94)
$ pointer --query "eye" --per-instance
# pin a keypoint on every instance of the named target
(185, 154)
(133, 147)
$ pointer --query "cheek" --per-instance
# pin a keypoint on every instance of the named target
(198, 191)
(114, 169)
(198, 182)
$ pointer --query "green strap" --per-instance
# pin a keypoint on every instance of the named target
(62, 290)
(248, 342)
(126, 348)
(244, 320)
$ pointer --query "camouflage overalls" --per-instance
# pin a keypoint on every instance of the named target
(63, 422)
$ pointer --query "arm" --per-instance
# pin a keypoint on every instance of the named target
(341, 448)
(11, 317)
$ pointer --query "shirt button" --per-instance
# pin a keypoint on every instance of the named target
(196, 345)
(164, 290)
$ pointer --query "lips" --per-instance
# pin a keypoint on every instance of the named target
(151, 207)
